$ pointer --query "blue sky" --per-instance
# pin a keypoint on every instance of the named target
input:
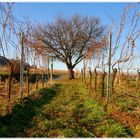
(46, 12)
(43, 12)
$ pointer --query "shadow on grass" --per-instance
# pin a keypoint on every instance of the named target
(14, 124)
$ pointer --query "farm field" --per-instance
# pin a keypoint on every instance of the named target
(68, 109)
(69, 70)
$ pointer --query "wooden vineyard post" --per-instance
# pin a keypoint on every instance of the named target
(21, 64)
(82, 77)
(109, 70)
(103, 82)
(95, 80)
(42, 79)
(90, 79)
(51, 72)
(45, 78)
(84, 71)
(48, 69)
(37, 80)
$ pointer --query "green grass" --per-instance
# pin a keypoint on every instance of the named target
(126, 104)
(65, 110)
(93, 112)
(111, 128)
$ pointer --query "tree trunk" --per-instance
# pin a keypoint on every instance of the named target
(70, 73)
(10, 84)
(36, 81)
(42, 80)
(120, 80)
(113, 79)
(113, 84)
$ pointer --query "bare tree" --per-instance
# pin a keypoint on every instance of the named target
(68, 40)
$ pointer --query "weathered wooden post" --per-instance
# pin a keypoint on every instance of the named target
(21, 64)
(90, 79)
(103, 82)
(82, 75)
(36, 80)
(48, 68)
(6, 85)
(46, 76)
(42, 78)
(109, 70)
(51, 72)
(84, 71)
(95, 80)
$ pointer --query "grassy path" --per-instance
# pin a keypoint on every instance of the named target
(65, 110)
